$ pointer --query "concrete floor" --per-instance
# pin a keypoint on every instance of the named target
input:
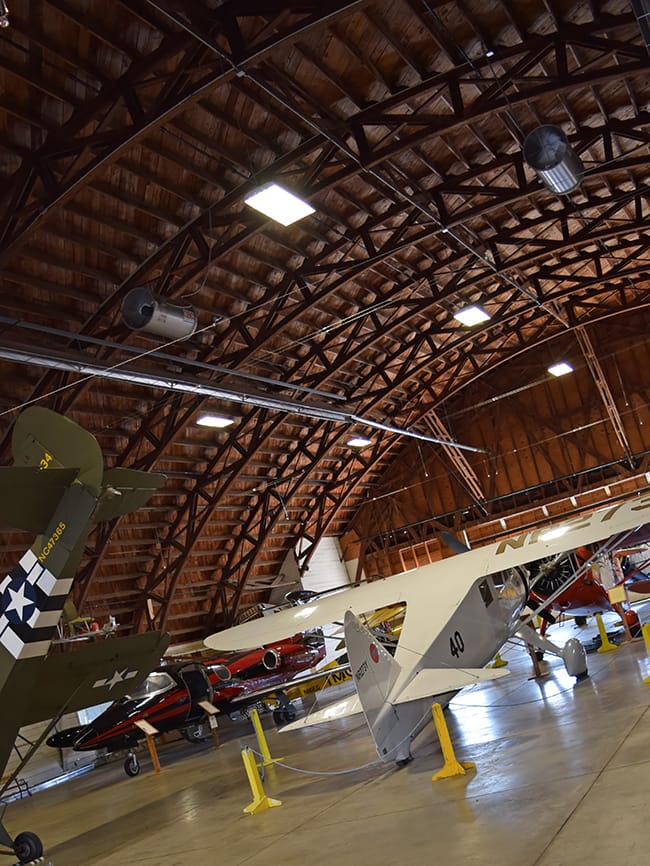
(562, 777)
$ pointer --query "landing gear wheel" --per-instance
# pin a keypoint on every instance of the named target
(27, 847)
(539, 655)
(131, 766)
(284, 714)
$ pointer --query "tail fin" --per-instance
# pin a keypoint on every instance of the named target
(45, 439)
(375, 672)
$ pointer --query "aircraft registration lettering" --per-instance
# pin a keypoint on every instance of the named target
(51, 542)
(361, 671)
(582, 522)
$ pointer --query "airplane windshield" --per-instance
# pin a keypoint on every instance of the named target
(510, 591)
(156, 683)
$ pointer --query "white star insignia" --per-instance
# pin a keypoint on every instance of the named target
(118, 677)
(18, 601)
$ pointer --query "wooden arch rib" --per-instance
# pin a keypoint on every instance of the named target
(69, 160)
(412, 153)
(263, 514)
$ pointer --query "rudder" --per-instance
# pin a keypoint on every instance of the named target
(375, 673)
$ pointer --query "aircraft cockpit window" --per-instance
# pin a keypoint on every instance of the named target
(156, 683)
(510, 589)
(509, 584)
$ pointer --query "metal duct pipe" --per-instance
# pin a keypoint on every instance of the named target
(55, 361)
(548, 152)
(144, 312)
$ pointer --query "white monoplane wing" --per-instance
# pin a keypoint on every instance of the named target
(441, 585)
(430, 682)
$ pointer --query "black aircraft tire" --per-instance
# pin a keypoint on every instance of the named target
(132, 766)
(284, 714)
(27, 847)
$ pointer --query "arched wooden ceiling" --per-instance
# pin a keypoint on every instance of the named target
(130, 134)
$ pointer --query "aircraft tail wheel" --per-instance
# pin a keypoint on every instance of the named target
(27, 847)
(131, 765)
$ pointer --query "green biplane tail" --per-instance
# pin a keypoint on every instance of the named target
(57, 489)
(50, 453)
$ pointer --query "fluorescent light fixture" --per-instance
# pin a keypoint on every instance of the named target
(560, 369)
(214, 421)
(359, 442)
(554, 532)
(471, 316)
(279, 204)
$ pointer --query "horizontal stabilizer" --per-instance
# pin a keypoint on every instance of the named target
(124, 491)
(98, 671)
(350, 706)
(28, 496)
(430, 682)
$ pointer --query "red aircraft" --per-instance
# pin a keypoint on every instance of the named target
(586, 595)
(170, 697)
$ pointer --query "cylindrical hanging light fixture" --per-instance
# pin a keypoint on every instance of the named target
(144, 312)
(548, 152)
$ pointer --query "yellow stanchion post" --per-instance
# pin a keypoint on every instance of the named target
(267, 760)
(645, 631)
(498, 662)
(260, 800)
(452, 766)
(606, 646)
